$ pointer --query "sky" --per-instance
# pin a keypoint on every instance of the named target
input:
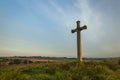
(43, 27)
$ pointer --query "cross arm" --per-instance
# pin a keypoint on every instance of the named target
(84, 27)
(74, 30)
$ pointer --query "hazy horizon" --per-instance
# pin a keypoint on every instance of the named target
(43, 27)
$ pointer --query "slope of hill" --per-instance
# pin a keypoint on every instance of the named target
(90, 70)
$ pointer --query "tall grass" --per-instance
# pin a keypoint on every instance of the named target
(91, 70)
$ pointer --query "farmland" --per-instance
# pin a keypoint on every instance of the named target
(63, 70)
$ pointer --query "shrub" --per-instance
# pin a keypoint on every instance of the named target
(11, 74)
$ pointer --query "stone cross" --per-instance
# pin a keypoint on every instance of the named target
(79, 44)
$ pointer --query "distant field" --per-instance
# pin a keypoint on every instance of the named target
(38, 60)
(66, 70)
(29, 60)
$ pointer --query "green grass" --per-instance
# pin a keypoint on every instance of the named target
(90, 70)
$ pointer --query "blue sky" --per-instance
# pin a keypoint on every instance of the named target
(43, 27)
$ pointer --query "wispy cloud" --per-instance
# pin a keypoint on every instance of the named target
(46, 25)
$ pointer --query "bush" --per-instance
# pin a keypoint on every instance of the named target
(11, 74)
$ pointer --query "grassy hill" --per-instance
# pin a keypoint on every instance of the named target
(88, 70)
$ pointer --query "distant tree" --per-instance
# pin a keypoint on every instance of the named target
(27, 62)
(17, 61)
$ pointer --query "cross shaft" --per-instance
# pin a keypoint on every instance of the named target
(79, 44)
